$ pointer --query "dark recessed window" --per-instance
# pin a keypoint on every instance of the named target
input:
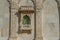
(26, 20)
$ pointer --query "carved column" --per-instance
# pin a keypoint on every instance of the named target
(39, 6)
(14, 25)
(14, 22)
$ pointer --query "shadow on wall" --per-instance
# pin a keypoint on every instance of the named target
(59, 15)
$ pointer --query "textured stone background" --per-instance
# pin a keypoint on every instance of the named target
(4, 19)
(50, 20)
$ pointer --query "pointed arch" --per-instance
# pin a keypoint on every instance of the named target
(26, 20)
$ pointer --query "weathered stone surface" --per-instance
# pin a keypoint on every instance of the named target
(4, 19)
(50, 20)
(47, 20)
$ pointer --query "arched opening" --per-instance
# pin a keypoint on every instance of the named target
(26, 20)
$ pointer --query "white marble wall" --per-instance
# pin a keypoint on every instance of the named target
(49, 17)
(4, 19)
(50, 20)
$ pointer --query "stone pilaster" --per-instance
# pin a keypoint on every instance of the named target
(14, 25)
(39, 35)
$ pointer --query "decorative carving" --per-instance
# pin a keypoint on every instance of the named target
(14, 5)
(28, 9)
(26, 31)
